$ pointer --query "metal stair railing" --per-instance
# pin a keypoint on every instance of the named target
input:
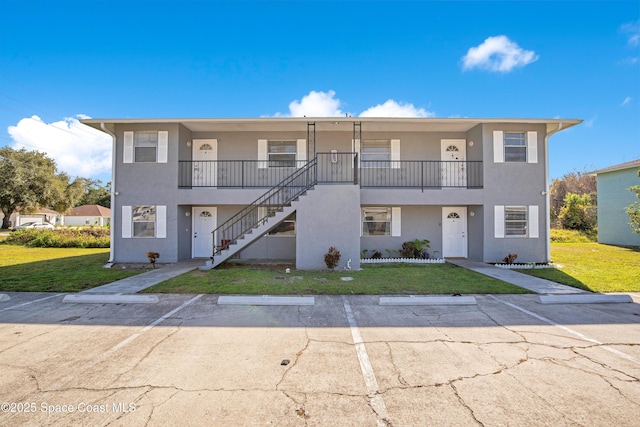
(260, 210)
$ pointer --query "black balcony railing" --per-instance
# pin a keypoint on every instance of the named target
(333, 168)
(421, 174)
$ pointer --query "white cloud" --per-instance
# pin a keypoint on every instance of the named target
(325, 104)
(77, 149)
(626, 101)
(632, 30)
(499, 54)
(392, 108)
(316, 104)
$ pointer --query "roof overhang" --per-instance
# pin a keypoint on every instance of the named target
(335, 123)
(628, 165)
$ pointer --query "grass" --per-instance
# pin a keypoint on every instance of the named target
(398, 279)
(24, 269)
(573, 236)
(594, 267)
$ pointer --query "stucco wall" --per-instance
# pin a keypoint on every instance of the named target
(613, 198)
(330, 216)
(514, 184)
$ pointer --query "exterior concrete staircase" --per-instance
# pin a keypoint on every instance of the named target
(261, 216)
(264, 226)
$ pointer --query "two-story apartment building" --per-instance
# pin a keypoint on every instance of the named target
(289, 188)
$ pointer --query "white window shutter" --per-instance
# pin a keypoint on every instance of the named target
(498, 146)
(395, 154)
(262, 154)
(126, 222)
(161, 222)
(396, 222)
(127, 155)
(301, 152)
(498, 221)
(163, 146)
(534, 231)
(532, 147)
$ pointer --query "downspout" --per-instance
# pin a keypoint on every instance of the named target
(547, 190)
(112, 250)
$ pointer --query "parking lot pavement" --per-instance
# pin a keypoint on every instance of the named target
(343, 360)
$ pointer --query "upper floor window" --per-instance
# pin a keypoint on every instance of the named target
(145, 147)
(515, 147)
(375, 150)
(282, 153)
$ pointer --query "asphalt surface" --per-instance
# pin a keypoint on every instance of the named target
(186, 360)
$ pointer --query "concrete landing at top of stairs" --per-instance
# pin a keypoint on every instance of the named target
(534, 284)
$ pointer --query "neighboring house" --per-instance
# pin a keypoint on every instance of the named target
(43, 214)
(289, 188)
(613, 198)
(88, 215)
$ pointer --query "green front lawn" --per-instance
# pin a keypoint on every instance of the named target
(398, 279)
(594, 267)
(24, 269)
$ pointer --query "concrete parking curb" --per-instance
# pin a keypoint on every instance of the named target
(428, 300)
(4, 297)
(110, 299)
(264, 300)
(583, 299)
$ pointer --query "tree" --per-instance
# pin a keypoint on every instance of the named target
(28, 181)
(633, 210)
(577, 212)
(96, 194)
(575, 182)
(68, 193)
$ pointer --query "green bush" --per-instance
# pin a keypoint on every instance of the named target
(93, 237)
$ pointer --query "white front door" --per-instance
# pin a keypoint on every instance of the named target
(204, 222)
(205, 166)
(454, 232)
(453, 169)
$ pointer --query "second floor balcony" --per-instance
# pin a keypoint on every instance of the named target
(333, 168)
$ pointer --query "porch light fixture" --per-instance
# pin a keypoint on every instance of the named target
(472, 213)
(187, 213)
(189, 143)
(470, 143)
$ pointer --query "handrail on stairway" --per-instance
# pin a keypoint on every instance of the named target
(251, 216)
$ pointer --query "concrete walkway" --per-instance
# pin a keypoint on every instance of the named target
(136, 283)
(534, 284)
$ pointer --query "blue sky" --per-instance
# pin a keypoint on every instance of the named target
(61, 60)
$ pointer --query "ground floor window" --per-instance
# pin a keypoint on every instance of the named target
(376, 221)
(515, 221)
(144, 221)
(286, 228)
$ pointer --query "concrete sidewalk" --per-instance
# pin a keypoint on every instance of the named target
(134, 284)
(534, 284)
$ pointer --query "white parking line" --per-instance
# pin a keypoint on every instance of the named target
(30, 302)
(375, 399)
(569, 330)
(92, 363)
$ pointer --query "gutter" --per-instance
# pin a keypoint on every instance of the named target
(547, 189)
(112, 252)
